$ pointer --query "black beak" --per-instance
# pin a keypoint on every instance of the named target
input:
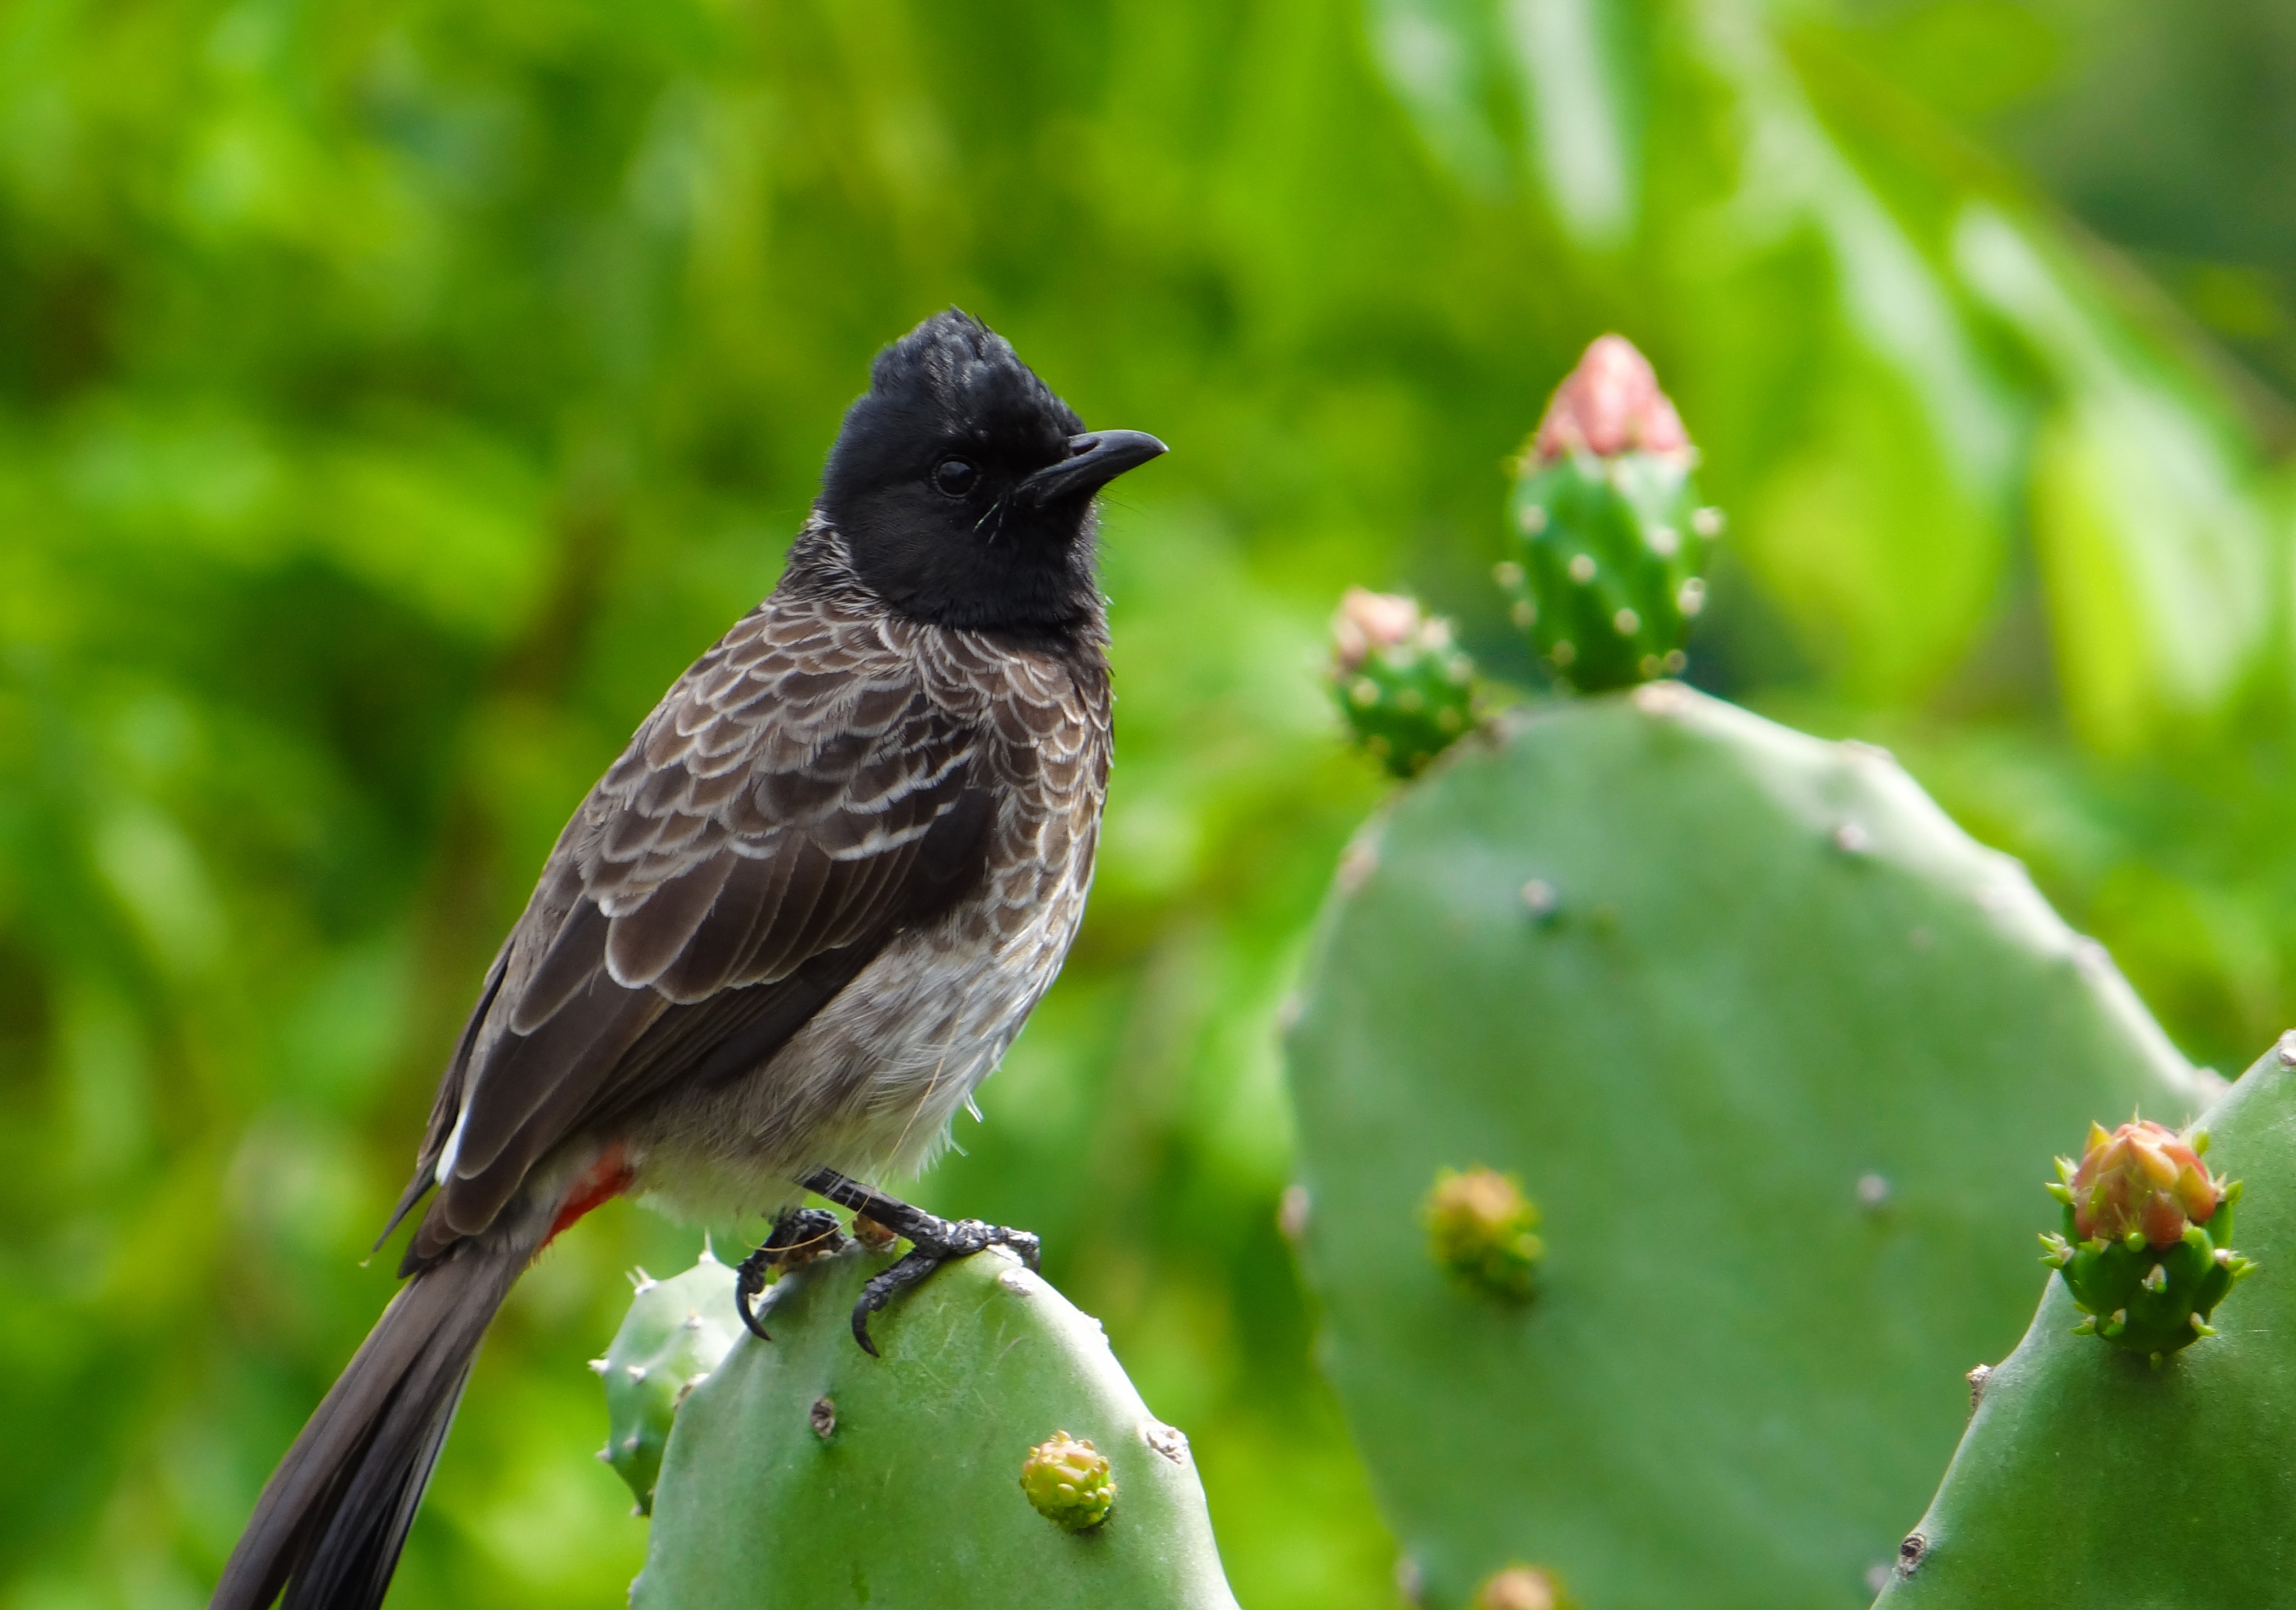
(1094, 459)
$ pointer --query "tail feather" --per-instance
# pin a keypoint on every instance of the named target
(329, 1526)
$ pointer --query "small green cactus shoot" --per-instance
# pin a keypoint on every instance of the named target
(2146, 1247)
(677, 1332)
(1068, 1482)
(1523, 1587)
(1407, 693)
(1610, 536)
(1480, 1227)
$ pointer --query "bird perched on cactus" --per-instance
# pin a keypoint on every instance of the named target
(1406, 691)
(2146, 1247)
(786, 935)
(1610, 537)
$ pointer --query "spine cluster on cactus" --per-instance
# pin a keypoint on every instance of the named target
(1483, 1230)
(1405, 690)
(1609, 537)
(2147, 1245)
(1068, 1482)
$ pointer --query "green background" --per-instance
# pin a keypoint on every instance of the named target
(394, 396)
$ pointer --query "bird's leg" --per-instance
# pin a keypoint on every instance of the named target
(800, 1235)
(934, 1241)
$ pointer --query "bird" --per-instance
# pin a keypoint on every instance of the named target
(777, 946)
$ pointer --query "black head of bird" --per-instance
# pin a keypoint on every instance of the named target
(963, 487)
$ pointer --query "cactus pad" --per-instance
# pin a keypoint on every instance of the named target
(2089, 1476)
(1407, 694)
(1609, 537)
(805, 1474)
(675, 1335)
(1773, 1045)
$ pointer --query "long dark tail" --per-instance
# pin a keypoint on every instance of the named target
(329, 1527)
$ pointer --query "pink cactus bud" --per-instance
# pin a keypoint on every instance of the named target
(1369, 621)
(2141, 1177)
(1609, 404)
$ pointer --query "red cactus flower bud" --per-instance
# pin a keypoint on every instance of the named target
(2141, 1177)
(1369, 621)
(1609, 404)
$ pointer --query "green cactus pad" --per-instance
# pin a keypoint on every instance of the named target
(1605, 576)
(2089, 1476)
(675, 1335)
(805, 1474)
(1773, 1046)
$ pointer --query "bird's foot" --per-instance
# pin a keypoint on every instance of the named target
(800, 1235)
(934, 1241)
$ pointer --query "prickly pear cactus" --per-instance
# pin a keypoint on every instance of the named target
(1407, 694)
(805, 1474)
(1772, 1045)
(2146, 1250)
(1610, 537)
(2090, 1477)
(675, 1335)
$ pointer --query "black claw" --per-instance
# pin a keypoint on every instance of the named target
(961, 1238)
(934, 1241)
(800, 1235)
(886, 1285)
(749, 1281)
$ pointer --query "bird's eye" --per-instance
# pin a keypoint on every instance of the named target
(955, 476)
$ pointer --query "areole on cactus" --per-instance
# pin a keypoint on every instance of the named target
(1610, 537)
(2147, 1248)
(1405, 690)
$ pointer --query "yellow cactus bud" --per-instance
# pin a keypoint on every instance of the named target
(1068, 1482)
(1480, 1226)
(1523, 1587)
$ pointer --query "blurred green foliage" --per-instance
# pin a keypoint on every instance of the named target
(394, 396)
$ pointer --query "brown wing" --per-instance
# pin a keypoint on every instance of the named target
(792, 802)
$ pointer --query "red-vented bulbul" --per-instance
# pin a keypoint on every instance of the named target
(785, 937)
